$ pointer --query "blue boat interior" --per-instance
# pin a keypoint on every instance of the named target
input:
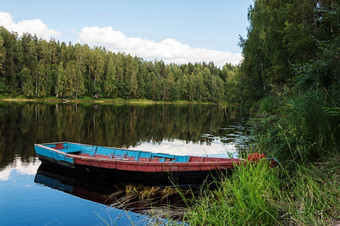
(114, 153)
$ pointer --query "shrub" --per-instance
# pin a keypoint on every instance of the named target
(302, 131)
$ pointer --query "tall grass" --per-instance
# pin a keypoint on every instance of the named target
(302, 131)
(256, 194)
(312, 196)
(245, 198)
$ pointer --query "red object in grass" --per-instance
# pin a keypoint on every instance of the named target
(255, 157)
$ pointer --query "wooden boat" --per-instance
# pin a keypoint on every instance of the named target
(135, 165)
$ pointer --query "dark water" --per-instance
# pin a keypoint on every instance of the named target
(33, 195)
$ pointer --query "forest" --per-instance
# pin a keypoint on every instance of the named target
(289, 84)
(35, 67)
(290, 77)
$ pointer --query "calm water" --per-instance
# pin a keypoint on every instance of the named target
(33, 195)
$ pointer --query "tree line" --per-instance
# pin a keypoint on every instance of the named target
(38, 68)
(290, 77)
(291, 43)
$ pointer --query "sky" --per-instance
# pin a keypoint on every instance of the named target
(176, 31)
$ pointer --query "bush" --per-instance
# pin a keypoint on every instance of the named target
(302, 131)
(268, 104)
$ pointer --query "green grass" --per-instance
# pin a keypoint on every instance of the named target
(304, 128)
(312, 196)
(256, 194)
(247, 197)
(102, 100)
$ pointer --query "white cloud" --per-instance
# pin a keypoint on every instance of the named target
(168, 50)
(180, 147)
(31, 26)
(30, 168)
(4, 174)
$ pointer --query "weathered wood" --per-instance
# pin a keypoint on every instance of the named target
(74, 155)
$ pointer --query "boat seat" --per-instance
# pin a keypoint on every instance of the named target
(74, 152)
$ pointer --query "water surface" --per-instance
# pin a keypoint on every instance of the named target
(43, 198)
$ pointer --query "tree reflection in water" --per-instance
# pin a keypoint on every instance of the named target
(128, 126)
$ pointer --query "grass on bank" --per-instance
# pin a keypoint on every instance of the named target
(301, 130)
(256, 194)
(312, 196)
(21, 98)
(245, 198)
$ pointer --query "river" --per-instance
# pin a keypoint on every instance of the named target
(33, 195)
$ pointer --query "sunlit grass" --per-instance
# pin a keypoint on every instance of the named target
(87, 99)
(256, 194)
(244, 198)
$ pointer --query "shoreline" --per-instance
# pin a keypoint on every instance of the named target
(105, 101)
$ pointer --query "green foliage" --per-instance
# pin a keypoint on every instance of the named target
(332, 111)
(26, 82)
(306, 127)
(290, 77)
(311, 196)
(110, 79)
(323, 73)
(2, 53)
(2, 85)
(302, 131)
(266, 105)
(291, 58)
(76, 70)
(284, 34)
(246, 198)
(256, 194)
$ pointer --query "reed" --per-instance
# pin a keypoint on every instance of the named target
(259, 195)
(244, 198)
(311, 196)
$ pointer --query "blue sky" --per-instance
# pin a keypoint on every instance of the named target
(173, 31)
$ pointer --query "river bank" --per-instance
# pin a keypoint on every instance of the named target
(103, 100)
(302, 190)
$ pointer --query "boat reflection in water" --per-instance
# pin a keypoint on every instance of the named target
(153, 201)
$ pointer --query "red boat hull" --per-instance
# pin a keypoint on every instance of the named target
(141, 166)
